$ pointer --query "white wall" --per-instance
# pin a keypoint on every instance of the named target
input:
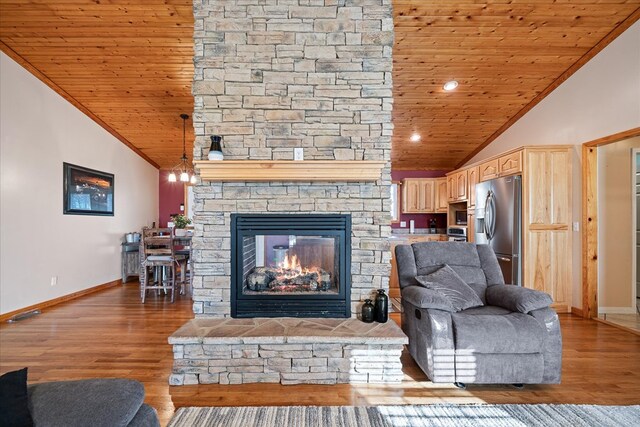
(38, 131)
(600, 99)
(616, 227)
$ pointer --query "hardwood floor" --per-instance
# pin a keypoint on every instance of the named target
(110, 334)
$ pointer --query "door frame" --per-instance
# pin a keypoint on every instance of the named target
(590, 218)
(634, 220)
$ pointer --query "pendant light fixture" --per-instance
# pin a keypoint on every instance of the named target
(182, 169)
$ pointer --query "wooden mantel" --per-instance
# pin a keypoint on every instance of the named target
(290, 170)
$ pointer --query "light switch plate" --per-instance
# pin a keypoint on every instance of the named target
(298, 154)
(576, 226)
(403, 224)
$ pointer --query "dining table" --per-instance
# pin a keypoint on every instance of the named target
(182, 242)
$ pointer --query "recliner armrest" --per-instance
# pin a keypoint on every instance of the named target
(517, 298)
(422, 297)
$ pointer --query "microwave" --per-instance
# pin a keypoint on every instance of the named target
(461, 217)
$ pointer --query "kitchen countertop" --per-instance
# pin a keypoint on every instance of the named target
(402, 233)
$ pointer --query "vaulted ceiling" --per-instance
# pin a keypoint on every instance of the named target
(128, 65)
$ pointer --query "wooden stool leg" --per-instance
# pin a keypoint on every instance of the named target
(173, 283)
(143, 283)
(183, 276)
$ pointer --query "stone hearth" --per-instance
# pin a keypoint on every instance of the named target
(287, 351)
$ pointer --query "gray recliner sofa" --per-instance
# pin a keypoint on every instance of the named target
(512, 338)
(101, 402)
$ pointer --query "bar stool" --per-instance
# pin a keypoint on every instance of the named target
(158, 251)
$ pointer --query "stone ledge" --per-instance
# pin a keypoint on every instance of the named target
(287, 330)
(332, 351)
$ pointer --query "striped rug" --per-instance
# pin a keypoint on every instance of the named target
(411, 415)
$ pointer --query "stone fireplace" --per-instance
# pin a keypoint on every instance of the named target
(272, 76)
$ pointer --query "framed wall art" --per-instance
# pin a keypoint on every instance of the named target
(87, 191)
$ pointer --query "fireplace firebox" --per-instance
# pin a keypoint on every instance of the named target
(290, 265)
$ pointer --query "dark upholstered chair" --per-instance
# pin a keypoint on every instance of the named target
(512, 338)
(96, 403)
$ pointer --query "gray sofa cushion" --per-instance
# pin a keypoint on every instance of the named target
(517, 298)
(480, 289)
(145, 417)
(490, 265)
(96, 402)
(507, 333)
(422, 297)
(462, 257)
(449, 284)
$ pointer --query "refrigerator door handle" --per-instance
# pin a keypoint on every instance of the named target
(489, 218)
(505, 259)
(486, 216)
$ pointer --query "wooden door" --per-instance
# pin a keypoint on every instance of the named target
(548, 266)
(461, 186)
(452, 187)
(510, 164)
(471, 222)
(473, 180)
(427, 196)
(410, 195)
(442, 199)
(547, 245)
(488, 170)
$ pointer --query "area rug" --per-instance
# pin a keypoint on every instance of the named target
(475, 415)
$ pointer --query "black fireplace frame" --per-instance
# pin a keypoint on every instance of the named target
(282, 305)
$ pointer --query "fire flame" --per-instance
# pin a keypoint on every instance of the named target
(290, 267)
(290, 264)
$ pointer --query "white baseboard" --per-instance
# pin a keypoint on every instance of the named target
(616, 310)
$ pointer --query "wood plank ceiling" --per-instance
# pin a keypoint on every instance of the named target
(128, 64)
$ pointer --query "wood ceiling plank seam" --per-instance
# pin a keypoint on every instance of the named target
(604, 42)
(51, 84)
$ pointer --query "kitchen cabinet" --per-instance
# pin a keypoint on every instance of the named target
(451, 188)
(418, 195)
(472, 178)
(471, 226)
(442, 199)
(510, 164)
(462, 185)
(410, 195)
(457, 186)
(488, 170)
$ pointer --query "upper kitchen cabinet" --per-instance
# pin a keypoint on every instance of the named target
(488, 170)
(510, 164)
(419, 195)
(457, 186)
(472, 178)
(442, 196)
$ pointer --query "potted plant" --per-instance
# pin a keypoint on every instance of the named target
(180, 223)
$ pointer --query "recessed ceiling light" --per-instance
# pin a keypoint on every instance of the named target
(415, 137)
(450, 85)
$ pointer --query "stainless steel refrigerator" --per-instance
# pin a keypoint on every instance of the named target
(498, 223)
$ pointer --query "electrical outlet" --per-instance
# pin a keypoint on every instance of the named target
(298, 154)
(403, 224)
(54, 280)
(576, 226)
